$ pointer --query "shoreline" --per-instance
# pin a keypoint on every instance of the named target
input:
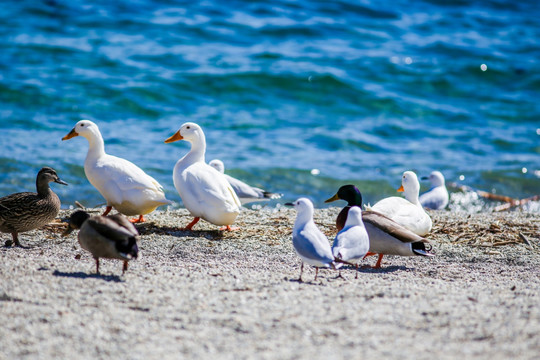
(234, 295)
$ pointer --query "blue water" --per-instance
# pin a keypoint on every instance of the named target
(360, 90)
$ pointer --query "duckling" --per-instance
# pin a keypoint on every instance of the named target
(109, 237)
(27, 211)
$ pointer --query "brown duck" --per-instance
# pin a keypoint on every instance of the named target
(109, 237)
(27, 211)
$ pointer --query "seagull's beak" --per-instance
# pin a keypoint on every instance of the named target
(289, 204)
(333, 198)
(424, 178)
(71, 134)
(401, 189)
(174, 138)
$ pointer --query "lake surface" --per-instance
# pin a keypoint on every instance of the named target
(295, 97)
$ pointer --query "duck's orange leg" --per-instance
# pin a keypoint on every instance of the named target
(378, 264)
(191, 224)
(229, 228)
(140, 219)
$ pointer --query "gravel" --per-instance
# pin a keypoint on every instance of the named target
(226, 295)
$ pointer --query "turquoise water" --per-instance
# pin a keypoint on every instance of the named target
(359, 90)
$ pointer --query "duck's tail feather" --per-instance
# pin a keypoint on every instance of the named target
(422, 249)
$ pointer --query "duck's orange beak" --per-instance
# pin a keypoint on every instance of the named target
(71, 134)
(401, 189)
(174, 138)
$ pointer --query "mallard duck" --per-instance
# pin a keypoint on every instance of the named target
(351, 242)
(310, 244)
(108, 237)
(246, 193)
(437, 197)
(386, 237)
(124, 185)
(27, 211)
(407, 212)
(205, 192)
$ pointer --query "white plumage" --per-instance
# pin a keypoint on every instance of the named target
(407, 212)
(437, 197)
(124, 185)
(205, 192)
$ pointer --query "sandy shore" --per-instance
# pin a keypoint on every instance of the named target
(233, 295)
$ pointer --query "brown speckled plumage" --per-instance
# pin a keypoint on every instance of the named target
(27, 211)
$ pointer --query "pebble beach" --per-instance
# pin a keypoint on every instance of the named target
(226, 295)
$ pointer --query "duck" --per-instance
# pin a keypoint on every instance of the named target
(386, 237)
(436, 198)
(407, 211)
(310, 244)
(246, 193)
(108, 237)
(352, 242)
(25, 211)
(205, 192)
(125, 186)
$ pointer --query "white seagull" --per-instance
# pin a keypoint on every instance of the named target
(352, 242)
(205, 192)
(437, 197)
(310, 244)
(246, 193)
(124, 185)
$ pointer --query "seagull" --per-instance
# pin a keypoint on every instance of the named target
(246, 193)
(310, 244)
(435, 198)
(352, 242)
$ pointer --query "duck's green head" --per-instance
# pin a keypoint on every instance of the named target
(75, 221)
(349, 193)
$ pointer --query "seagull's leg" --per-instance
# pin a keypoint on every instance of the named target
(125, 267)
(356, 276)
(138, 220)
(190, 225)
(107, 210)
(97, 266)
(301, 271)
(316, 273)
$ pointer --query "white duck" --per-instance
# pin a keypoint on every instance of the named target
(407, 212)
(437, 197)
(245, 192)
(352, 242)
(123, 184)
(205, 192)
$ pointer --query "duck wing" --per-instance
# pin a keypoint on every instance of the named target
(391, 227)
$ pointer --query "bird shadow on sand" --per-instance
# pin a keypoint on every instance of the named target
(383, 270)
(152, 228)
(82, 275)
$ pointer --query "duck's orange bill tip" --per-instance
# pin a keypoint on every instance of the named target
(71, 134)
(401, 189)
(174, 138)
(333, 198)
